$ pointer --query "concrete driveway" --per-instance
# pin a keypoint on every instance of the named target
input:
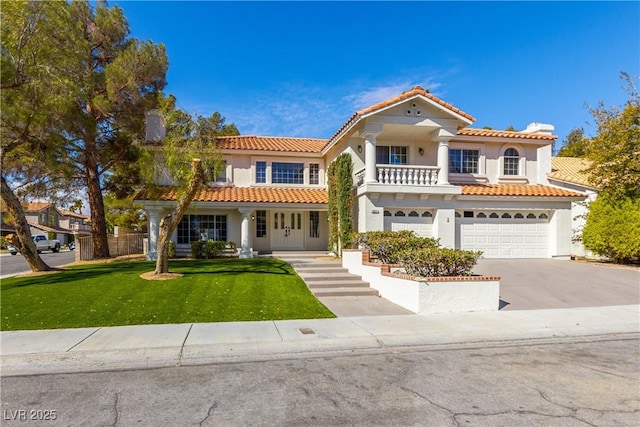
(530, 284)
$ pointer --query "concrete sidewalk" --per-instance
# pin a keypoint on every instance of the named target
(152, 346)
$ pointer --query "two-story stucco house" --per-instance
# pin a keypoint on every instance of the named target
(417, 165)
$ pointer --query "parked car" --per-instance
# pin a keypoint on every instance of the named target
(71, 245)
(12, 250)
(44, 244)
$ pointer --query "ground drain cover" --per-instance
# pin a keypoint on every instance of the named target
(307, 331)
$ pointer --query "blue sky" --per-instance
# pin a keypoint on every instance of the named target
(303, 68)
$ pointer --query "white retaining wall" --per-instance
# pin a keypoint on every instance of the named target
(429, 295)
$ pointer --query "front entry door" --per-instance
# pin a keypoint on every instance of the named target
(286, 230)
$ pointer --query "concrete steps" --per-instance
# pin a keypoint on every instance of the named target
(325, 278)
(330, 279)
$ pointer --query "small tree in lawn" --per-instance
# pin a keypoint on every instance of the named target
(189, 157)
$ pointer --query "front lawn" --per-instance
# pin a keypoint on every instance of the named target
(218, 290)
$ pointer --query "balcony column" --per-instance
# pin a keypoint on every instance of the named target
(370, 132)
(443, 160)
(245, 234)
(370, 174)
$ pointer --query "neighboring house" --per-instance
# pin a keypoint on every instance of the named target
(570, 173)
(45, 217)
(417, 165)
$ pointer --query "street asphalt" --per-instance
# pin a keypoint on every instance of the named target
(549, 299)
(153, 346)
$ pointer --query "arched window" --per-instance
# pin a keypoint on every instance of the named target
(413, 213)
(531, 216)
(506, 215)
(493, 215)
(511, 162)
(518, 215)
(427, 214)
(481, 215)
(543, 216)
(387, 213)
(399, 213)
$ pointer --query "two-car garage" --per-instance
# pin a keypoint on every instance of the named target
(504, 234)
(497, 233)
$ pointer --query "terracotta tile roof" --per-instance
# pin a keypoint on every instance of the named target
(271, 143)
(516, 190)
(488, 133)
(570, 169)
(65, 212)
(416, 91)
(48, 228)
(413, 92)
(35, 206)
(245, 195)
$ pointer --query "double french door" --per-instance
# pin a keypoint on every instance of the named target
(287, 230)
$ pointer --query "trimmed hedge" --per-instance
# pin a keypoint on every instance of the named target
(420, 256)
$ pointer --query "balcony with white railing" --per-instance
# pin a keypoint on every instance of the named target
(404, 175)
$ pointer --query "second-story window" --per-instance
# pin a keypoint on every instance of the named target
(511, 162)
(261, 172)
(391, 155)
(222, 176)
(463, 161)
(287, 173)
(314, 174)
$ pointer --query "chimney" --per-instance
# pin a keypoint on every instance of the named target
(536, 127)
(155, 130)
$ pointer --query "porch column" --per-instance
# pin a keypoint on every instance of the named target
(245, 234)
(154, 233)
(443, 160)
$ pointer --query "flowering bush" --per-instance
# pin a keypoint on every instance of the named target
(438, 262)
(420, 256)
(386, 245)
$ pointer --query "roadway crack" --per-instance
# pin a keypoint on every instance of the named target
(115, 410)
(182, 346)
(212, 408)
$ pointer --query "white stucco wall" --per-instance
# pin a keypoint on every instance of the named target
(427, 297)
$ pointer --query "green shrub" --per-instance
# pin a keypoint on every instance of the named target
(613, 228)
(438, 262)
(386, 245)
(209, 248)
(213, 248)
(3, 243)
(197, 249)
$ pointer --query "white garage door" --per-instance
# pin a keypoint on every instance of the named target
(505, 235)
(419, 221)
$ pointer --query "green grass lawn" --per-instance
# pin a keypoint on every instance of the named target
(219, 290)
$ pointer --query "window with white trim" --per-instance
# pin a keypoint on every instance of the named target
(314, 173)
(261, 172)
(287, 173)
(463, 161)
(391, 155)
(202, 227)
(511, 162)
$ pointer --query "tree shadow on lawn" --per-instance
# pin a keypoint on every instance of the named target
(185, 267)
(75, 274)
(234, 266)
